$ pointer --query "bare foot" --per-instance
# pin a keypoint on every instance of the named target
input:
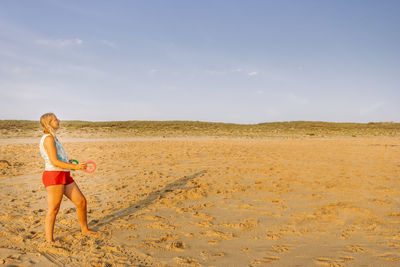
(88, 231)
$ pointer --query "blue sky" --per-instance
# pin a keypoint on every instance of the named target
(224, 61)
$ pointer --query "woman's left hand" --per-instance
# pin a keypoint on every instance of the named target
(81, 166)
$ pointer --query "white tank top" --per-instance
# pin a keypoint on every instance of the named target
(61, 155)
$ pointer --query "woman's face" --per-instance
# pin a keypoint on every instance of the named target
(55, 123)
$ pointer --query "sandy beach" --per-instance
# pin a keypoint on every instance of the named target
(209, 202)
(225, 133)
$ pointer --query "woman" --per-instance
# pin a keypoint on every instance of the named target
(57, 178)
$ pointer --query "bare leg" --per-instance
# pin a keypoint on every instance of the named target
(54, 197)
(75, 195)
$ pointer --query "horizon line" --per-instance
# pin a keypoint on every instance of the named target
(220, 122)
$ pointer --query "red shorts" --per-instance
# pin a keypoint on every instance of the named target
(56, 177)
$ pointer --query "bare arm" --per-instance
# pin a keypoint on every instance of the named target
(51, 149)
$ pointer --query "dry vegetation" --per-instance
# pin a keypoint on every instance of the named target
(86, 129)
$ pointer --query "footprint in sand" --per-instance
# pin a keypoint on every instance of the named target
(264, 260)
(167, 237)
(245, 224)
(219, 254)
(347, 258)
(390, 256)
(219, 234)
(272, 258)
(161, 225)
(326, 261)
(332, 262)
(381, 202)
(186, 260)
(176, 245)
(280, 248)
(347, 233)
(272, 236)
(11, 260)
(152, 218)
(355, 248)
(205, 224)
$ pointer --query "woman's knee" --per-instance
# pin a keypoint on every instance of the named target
(52, 211)
(81, 203)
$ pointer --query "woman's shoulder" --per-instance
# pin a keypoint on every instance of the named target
(47, 138)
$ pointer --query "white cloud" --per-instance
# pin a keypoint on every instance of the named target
(372, 108)
(153, 71)
(253, 73)
(232, 71)
(59, 43)
(224, 71)
(16, 70)
(109, 43)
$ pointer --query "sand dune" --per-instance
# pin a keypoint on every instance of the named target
(210, 202)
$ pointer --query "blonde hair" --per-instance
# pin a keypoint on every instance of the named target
(45, 120)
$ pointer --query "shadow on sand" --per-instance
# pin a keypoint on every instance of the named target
(97, 224)
(155, 195)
